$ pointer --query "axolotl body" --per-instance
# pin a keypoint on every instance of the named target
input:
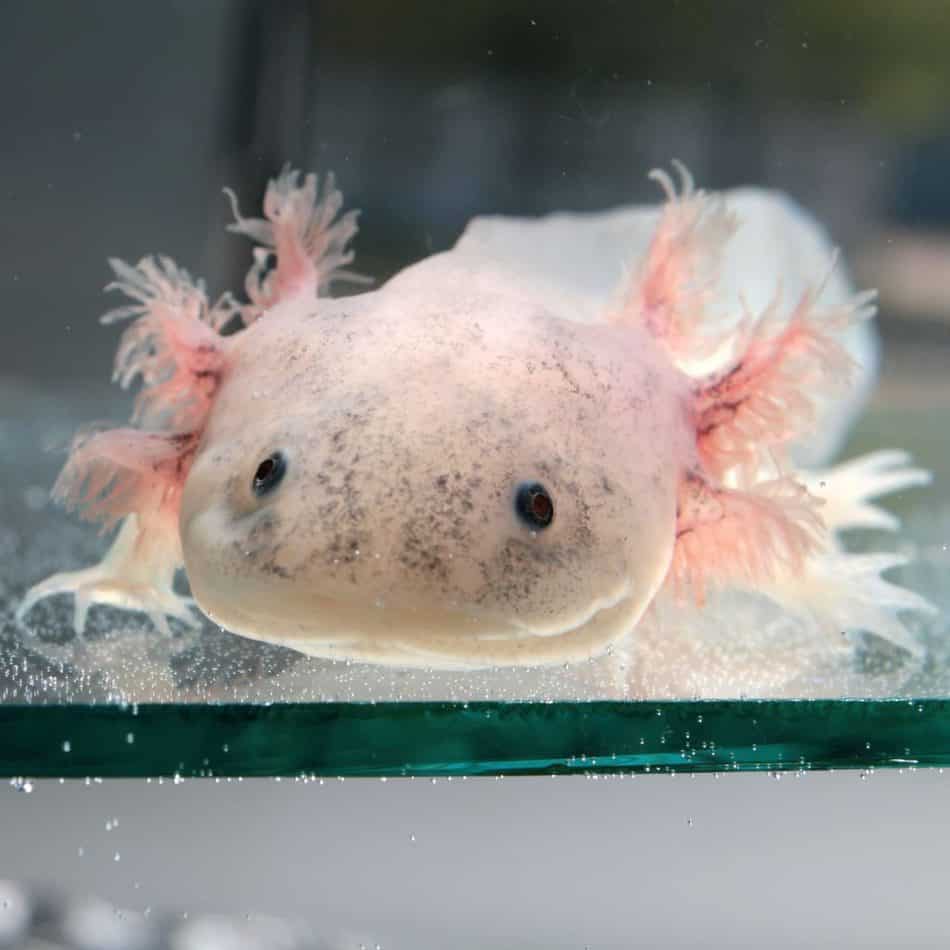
(477, 464)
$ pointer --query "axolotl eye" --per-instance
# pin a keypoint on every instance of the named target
(534, 505)
(269, 474)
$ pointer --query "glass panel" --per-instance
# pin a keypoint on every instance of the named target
(307, 740)
(736, 682)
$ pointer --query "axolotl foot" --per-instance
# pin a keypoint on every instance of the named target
(118, 581)
(101, 585)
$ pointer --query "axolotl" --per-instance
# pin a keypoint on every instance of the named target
(498, 457)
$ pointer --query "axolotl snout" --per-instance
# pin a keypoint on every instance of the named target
(469, 466)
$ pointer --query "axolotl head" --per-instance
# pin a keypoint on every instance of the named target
(454, 480)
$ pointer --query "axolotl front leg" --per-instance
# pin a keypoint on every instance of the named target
(134, 476)
(137, 573)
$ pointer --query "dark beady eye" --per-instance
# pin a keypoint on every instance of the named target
(269, 474)
(534, 505)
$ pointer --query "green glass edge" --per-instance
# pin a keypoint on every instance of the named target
(485, 738)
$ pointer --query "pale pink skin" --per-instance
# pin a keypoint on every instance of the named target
(409, 416)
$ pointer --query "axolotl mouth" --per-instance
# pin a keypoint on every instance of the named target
(442, 639)
(430, 638)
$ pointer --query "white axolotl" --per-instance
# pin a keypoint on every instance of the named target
(504, 454)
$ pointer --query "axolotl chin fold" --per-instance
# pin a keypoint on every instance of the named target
(477, 464)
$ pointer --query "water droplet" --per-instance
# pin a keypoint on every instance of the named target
(21, 785)
(67, 746)
(412, 839)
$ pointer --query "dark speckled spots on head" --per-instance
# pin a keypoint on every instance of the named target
(435, 528)
(272, 567)
(265, 526)
(344, 548)
(342, 510)
(456, 498)
(341, 506)
(420, 554)
(519, 565)
(264, 542)
(327, 316)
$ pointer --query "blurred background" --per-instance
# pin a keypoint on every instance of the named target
(120, 124)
